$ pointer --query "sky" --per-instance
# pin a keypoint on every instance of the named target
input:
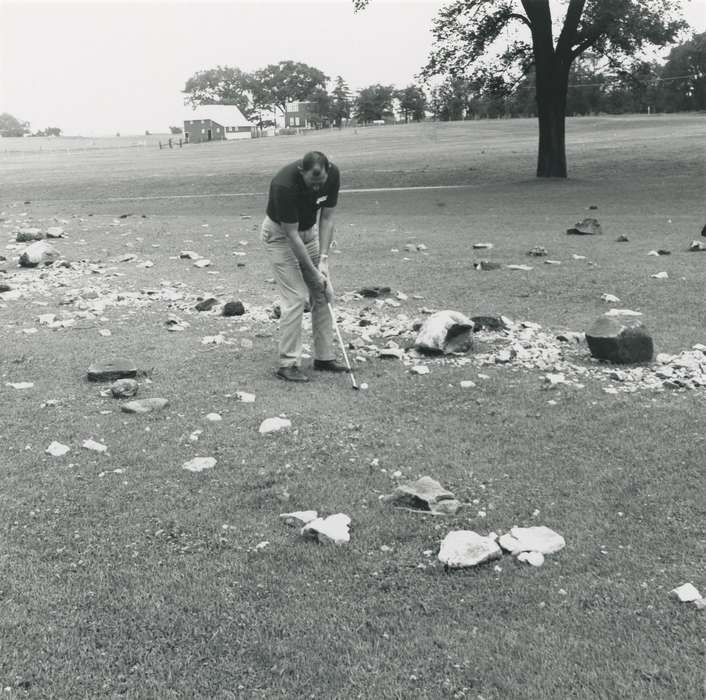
(100, 67)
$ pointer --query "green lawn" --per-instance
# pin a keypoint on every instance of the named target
(148, 583)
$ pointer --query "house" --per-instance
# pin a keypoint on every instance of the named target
(216, 123)
(303, 115)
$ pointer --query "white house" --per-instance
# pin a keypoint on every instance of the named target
(216, 123)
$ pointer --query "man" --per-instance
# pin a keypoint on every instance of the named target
(300, 194)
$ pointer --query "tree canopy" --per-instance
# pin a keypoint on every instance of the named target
(413, 102)
(288, 81)
(226, 85)
(374, 102)
(11, 126)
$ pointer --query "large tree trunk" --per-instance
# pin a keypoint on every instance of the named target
(551, 108)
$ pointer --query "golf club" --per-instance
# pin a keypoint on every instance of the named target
(343, 348)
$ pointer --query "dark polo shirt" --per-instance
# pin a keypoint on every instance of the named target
(291, 202)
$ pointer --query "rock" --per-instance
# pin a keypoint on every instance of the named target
(464, 548)
(622, 312)
(503, 357)
(538, 251)
(524, 268)
(20, 385)
(189, 255)
(55, 232)
(448, 507)
(214, 417)
(124, 388)
(374, 292)
(422, 494)
(622, 238)
(571, 337)
(610, 298)
(274, 425)
(25, 235)
(233, 308)
(538, 538)
(660, 275)
(653, 253)
(202, 262)
(94, 446)
(5, 288)
(175, 324)
(39, 253)
(620, 339)
(198, 464)
(419, 369)
(206, 304)
(111, 370)
(394, 353)
(482, 246)
(552, 262)
(56, 449)
(533, 558)
(489, 323)
(700, 603)
(299, 518)
(686, 593)
(445, 332)
(467, 384)
(331, 530)
(487, 265)
(663, 251)
(588, 227)
(697, 246)
(144, 405)
(244, 396)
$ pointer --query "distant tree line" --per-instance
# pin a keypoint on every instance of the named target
(11, 126)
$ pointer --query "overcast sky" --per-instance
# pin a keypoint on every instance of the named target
(99, 67)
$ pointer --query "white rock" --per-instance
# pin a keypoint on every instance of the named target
(660, 275)
(464, 548)
(533, 558)
(578, 257)
(331, 530)
(538, 538)
(653, 253)
(55, 232)
(213, 339)
(525, 268)
(622, 312)
(419, 369)
(56, 449)
(198, 464)
(20, 385)
(467, 384)
(299, 518)
(482, 246)
(686, 593)
(610, 298)
(202, 262)
(244, 396)
(275, 425)
(214, 417)
(94, 446)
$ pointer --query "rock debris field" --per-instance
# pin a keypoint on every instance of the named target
(380, 325)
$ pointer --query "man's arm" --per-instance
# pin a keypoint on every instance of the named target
(325, 237)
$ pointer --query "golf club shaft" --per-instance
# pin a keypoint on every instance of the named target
(343, 347)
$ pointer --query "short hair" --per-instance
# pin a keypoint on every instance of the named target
(315, 160)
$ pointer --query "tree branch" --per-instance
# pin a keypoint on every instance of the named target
(522, 19)
(567, 36)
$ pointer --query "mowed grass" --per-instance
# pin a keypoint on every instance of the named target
(129, 585)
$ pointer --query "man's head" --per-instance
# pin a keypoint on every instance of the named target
(314, 170)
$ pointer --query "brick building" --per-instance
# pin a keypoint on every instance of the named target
(216, 123)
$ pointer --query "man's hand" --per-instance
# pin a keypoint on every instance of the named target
(323, 266)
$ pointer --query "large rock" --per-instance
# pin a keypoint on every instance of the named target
(621, 339)
(587, 227)
(39, 253)
(25, 235)
(445, 332)
(532, 539)
(233, 308)
(144, 405)
(331, 530)
(424, 494)
(111, 370)
(464, 548)
(124, 388)
(274, 425)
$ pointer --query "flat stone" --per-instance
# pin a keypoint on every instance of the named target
(206, 304)
(532, 558)
(56, 449)
(620, 339)
(482, 246)
(419, 369)
(467, 384)
(25, 235)
(532, 539)
(331, 530)
(374, 292)
(610, 298)
(39, 253)
(395, 353)
(233, 308)
(144, 405)
(299, 518)
(111, 370)
(465, 548)
(523, 268)
(487, 265)
(55, 232)
(445, 332)
(274, 425)
(198, 464)
(588, 227)
(660, 275)
(94, 446)
(686, 593)
(489, 323)
(202, 262)
(124, 388)
(244, 397)
(421, 494)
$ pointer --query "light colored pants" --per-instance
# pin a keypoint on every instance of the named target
(295, 290)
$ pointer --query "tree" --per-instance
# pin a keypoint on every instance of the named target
(322, 102)
(286, 81)
(10, 126)
(413, 102)
(374, 102)
(226, 85)
(470, 40)
(684, 76)
(175, 129)
(341, 102)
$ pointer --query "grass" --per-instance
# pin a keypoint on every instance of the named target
(130, 585)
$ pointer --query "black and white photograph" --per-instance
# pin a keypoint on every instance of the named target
(353, 349)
